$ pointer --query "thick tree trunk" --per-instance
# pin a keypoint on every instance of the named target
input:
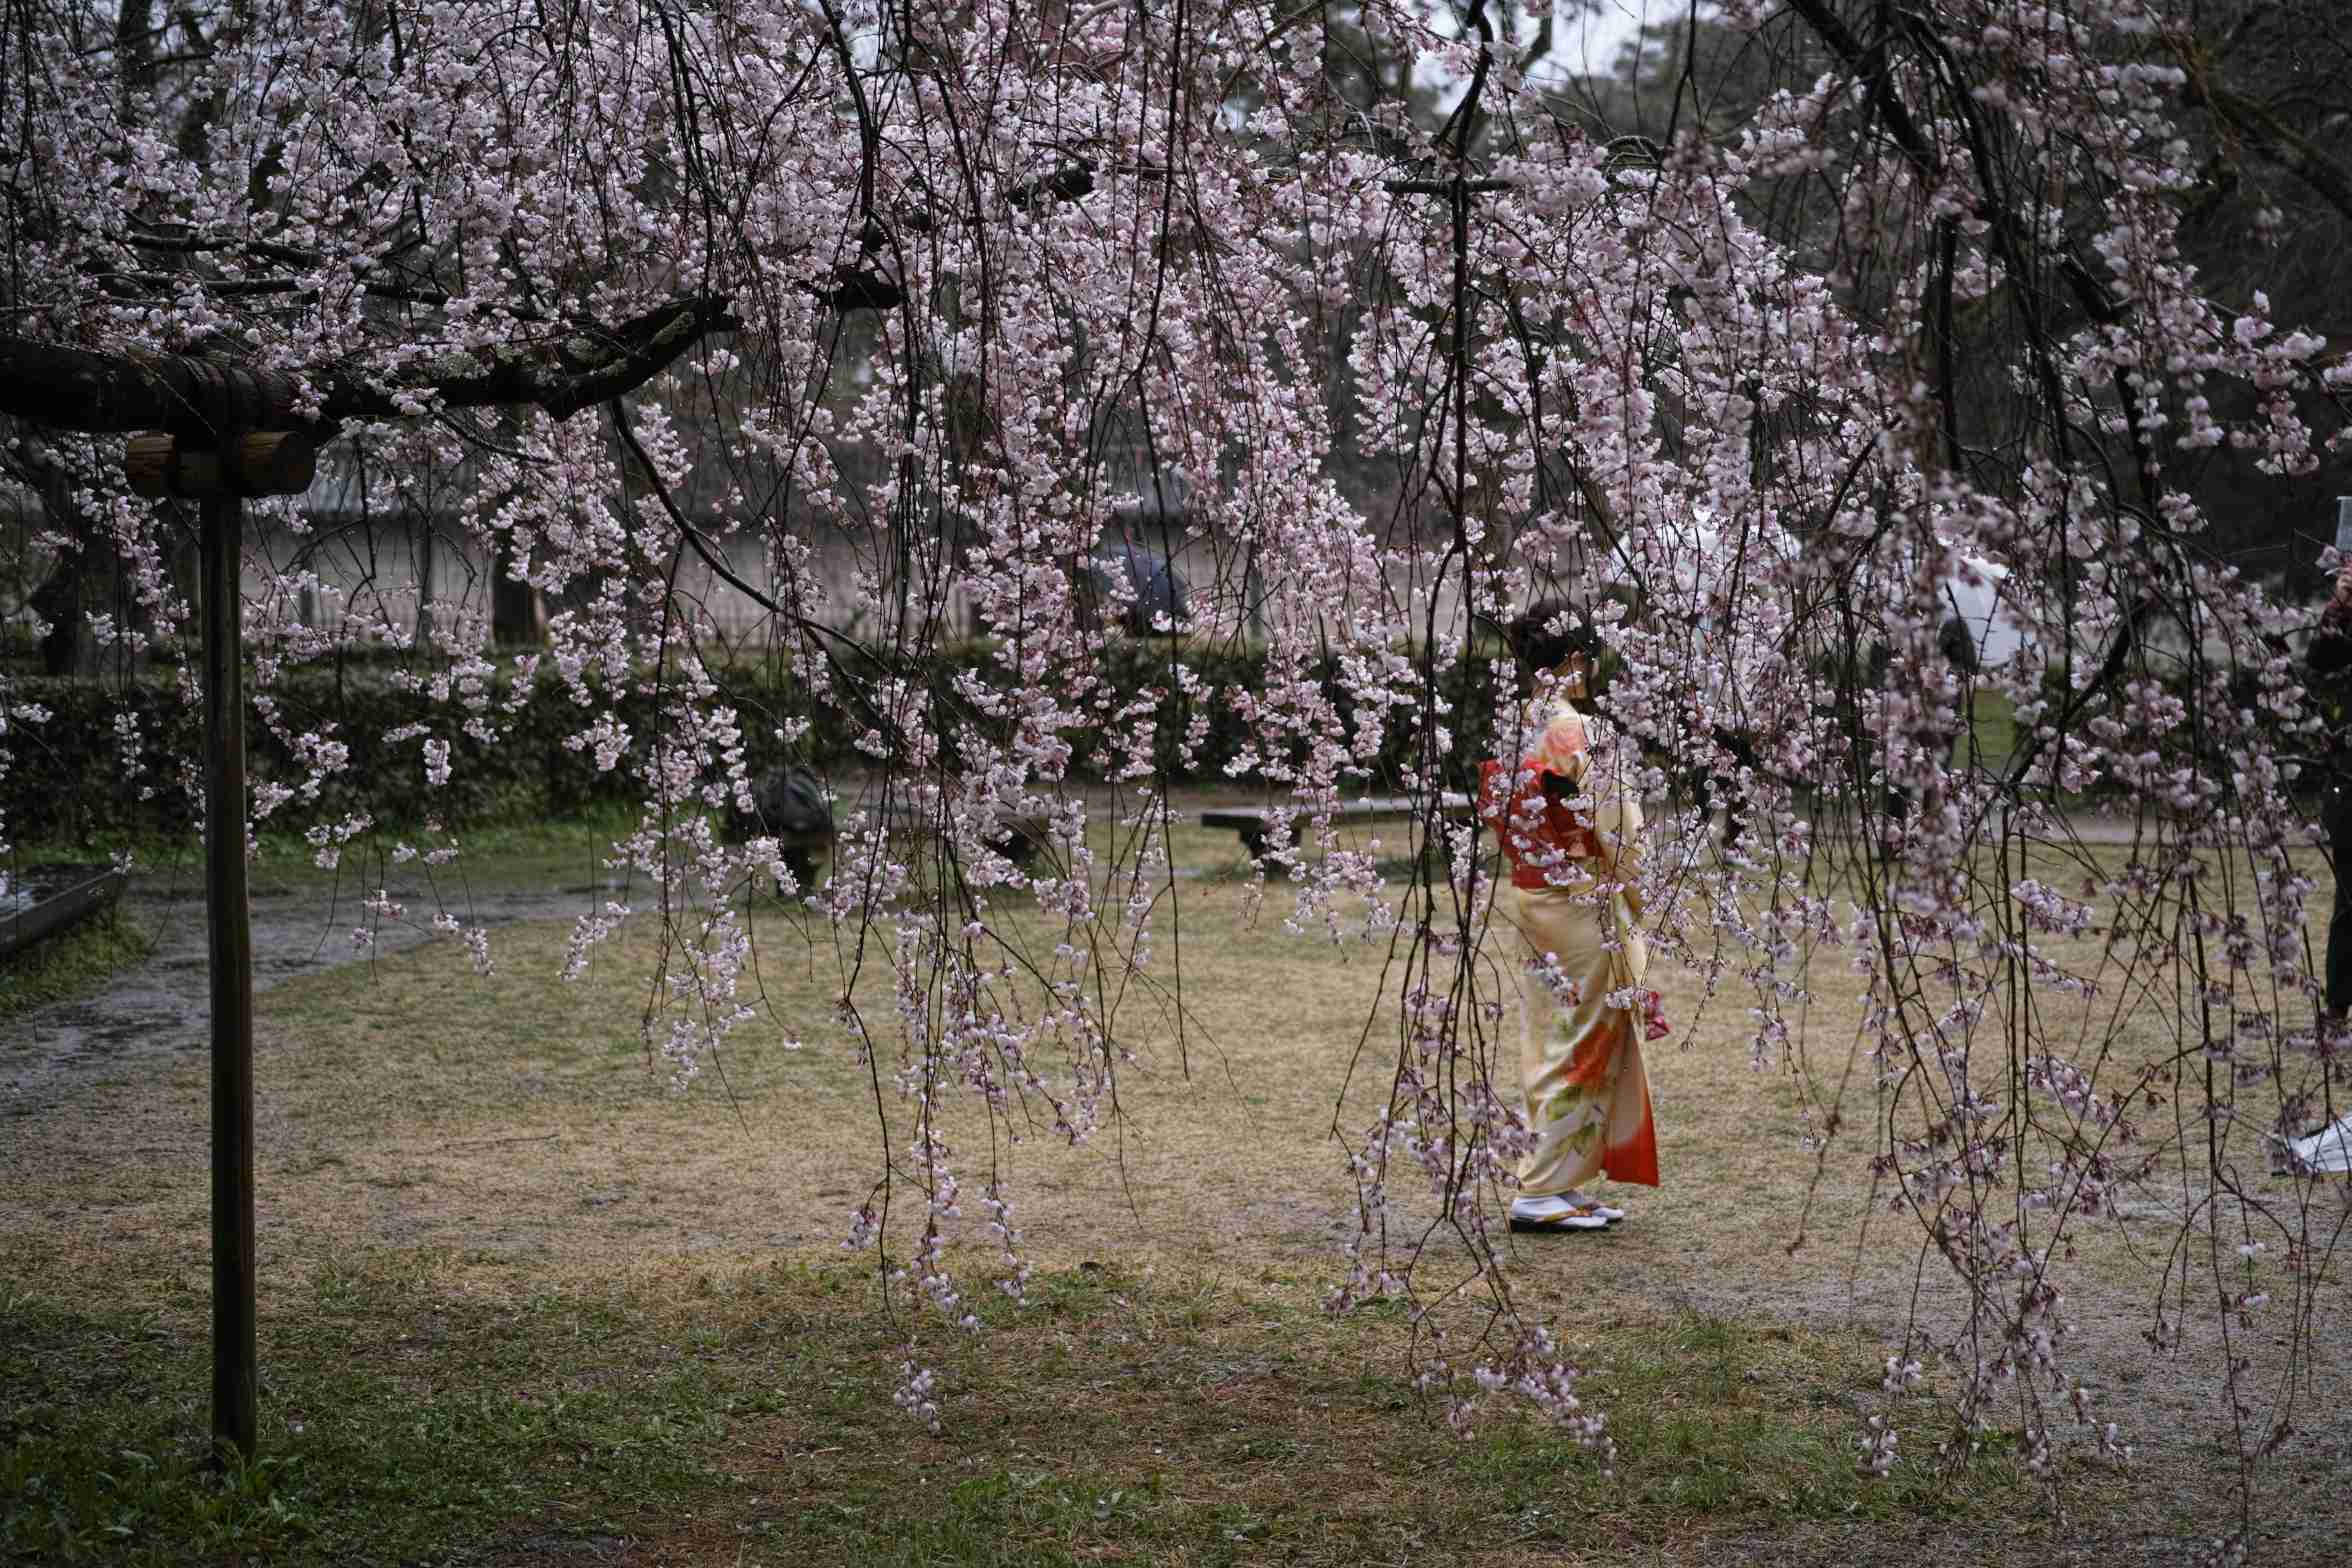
(518, 616)
(73, 586)
(62, 600)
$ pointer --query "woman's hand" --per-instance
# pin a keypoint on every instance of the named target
(2340, 602)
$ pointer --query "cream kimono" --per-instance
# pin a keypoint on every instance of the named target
(1573, 902)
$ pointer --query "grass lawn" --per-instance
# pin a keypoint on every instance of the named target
(1993, 730)
(697, 1412)
(524, 1304)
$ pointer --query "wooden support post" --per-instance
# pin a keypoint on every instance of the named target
(235, 1352)
(220, 475)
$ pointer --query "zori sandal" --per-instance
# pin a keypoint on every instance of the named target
(1575, 1199)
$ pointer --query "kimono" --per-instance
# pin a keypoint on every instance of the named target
(1572, 900)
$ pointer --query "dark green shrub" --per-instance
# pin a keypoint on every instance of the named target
(66, 784)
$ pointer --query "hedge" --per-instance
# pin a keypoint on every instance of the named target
(65, 783)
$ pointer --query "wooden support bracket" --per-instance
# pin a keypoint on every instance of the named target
(266, 462)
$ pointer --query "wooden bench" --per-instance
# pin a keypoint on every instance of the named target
(1256, 824)
(45, 902)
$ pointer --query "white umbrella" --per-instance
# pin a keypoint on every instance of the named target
(2329, 1149)
(1975, 592)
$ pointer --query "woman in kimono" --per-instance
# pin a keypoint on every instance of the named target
(1569, 817)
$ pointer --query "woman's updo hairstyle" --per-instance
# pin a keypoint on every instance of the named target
(1548, 631)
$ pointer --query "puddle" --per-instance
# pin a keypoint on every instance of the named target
(163, 1008)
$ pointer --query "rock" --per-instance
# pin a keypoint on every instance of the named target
(785, 801)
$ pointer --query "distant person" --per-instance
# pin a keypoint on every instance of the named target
(2329, 656)
(1567, 812)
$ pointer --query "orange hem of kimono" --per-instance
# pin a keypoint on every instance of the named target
(1633, 1159)
(1636, 1159)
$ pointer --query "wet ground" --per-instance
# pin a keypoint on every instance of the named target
(163, 1007)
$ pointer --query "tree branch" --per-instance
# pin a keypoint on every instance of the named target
(2264, 131)
(77, 389)
(1868, 66)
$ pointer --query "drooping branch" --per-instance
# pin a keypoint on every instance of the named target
(78, 389)
(2257, 126)
(1868, 65)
